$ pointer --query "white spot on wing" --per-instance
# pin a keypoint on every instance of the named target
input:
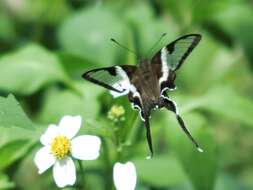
(165, 68)
(200, 149)
(135, 92)
(148, 157)
(122, 85)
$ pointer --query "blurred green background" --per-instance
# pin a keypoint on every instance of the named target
(45, 46)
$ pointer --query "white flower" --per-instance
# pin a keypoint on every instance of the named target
(60, 146)
(124, 176)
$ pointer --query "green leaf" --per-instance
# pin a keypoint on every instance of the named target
(74, 65)
(5, 182)
(226, 181)
(160, 171)
(224, 102)
(12, 115)
(29, 69)
(11, 134)
(191, 12)
(65, 102)
(12, 151)
(87, 34)
(99, 127)
(201, 168)
(15, 143)
(238, 27)
(7, 31)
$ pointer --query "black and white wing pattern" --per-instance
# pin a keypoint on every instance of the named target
(173, 55)
(165, 63)
(116, 79)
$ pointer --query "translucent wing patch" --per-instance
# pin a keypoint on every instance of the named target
(176, 52)
(113, 78)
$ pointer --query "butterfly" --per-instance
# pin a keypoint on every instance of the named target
(147, 83)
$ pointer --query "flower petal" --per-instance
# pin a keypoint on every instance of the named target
(124, 176)
(44, 159)
(70, 125)
(64, 172)
(85, 147)
(50, 133)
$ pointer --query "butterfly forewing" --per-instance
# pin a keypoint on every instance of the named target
(176, 52)
(116, 78)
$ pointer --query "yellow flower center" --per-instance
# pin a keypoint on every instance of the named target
(60, 146)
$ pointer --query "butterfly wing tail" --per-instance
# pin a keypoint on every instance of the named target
(171, 106)
(149, 137)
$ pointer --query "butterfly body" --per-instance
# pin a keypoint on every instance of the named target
(146, 84)
(147, 92)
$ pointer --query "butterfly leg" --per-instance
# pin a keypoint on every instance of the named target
(171, 106)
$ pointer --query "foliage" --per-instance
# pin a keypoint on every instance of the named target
(47, 45)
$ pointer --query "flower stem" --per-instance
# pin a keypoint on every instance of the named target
(82, 178)
(108, 163)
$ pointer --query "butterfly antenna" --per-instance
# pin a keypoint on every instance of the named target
(156, 43)
(124, 47)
